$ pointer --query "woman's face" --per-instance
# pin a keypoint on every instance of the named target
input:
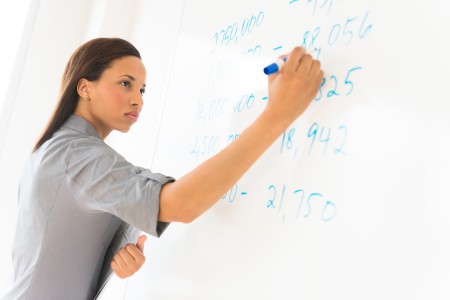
(115, 100)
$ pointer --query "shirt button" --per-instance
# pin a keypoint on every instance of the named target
(138, 171)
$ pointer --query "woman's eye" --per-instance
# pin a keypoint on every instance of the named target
(142, 91)
(126, 83)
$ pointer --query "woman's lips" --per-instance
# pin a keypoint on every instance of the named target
(133, 115)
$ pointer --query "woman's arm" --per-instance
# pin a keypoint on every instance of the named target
(290, 92)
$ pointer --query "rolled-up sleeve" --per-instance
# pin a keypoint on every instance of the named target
(103, 181)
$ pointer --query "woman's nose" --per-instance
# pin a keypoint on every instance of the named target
(137, 100)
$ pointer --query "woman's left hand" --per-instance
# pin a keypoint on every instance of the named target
(129, 259)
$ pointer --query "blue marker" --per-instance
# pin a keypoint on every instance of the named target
(276, 66)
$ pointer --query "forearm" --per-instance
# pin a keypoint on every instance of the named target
(194, 193)
(290, 93)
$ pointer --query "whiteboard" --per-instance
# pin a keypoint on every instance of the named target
(351, 202)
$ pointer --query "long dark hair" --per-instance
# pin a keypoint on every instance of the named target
(88, 61)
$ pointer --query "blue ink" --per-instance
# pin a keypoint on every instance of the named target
(313, 36)
(324, 140)
(348, 32)
(328, 135)
(337, 85)
(320, 90)
(286, 140)
(339, 149)
(333, 92)
(301, 201)
(277, 48)
(363, 32)
(232, 138)
(332, 39)
(282, 198)
(270, 202)
(252, 51)
(205, 146)
(314, 201)
(231, 194)
(337, 31)
(308, 203)
(328, 205)
(312, 133)
(245, 101)
(347, 81)
(230, 34)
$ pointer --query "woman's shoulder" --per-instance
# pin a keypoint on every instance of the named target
(74, 148)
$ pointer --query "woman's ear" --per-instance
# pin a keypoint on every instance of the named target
(83, 89)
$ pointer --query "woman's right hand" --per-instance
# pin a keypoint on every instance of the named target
(293, 87)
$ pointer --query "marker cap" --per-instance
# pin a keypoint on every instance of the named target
(275, 67)
(270, 69)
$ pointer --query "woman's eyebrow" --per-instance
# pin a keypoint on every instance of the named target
(129, 76)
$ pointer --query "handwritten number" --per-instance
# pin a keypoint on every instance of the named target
(348, 32)
(299, 207)
(314, 201)
(344, 140)
(347, 79)
(319, 96)
(270, 203)
(308, 203)
(364, 30)
(329, 211)
(312, 133)
(333, 92)
(334, 34)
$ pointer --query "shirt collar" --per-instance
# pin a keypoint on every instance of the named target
(79, 124)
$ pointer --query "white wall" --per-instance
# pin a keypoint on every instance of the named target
(13, 17)
(57, 29)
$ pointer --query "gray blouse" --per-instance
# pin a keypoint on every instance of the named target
(79, 202)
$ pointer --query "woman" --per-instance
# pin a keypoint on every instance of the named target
(80, 201)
